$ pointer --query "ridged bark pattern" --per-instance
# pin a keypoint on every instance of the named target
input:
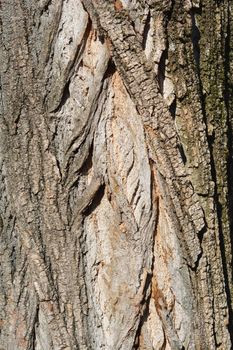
(116, 192)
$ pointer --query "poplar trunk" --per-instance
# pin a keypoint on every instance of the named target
(116, 174)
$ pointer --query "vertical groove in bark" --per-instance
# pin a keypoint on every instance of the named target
(115, 175)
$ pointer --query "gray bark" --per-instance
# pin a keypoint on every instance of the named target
(116, 186)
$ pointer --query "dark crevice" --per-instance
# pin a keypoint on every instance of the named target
(111, 69)
(45, 8)
(87, 165)
(162, 70)
(13, 257)
(95, 201)
(146, 30)
(195, 36)
(65, 96)
(182, 153)
(172, 109)
(200, 237)
(82, 171)
(35, 323)
(54, 150)
(76, 161)
(169, 13)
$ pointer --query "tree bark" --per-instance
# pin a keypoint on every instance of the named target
(116, 191)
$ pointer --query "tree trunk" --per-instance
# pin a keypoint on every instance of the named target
(116, 191)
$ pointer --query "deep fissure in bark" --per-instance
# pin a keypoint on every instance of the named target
(161, 70)
(146, 30)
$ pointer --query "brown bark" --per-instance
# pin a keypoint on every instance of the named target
(116, 175)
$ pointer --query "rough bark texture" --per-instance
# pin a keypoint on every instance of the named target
(116, 191)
